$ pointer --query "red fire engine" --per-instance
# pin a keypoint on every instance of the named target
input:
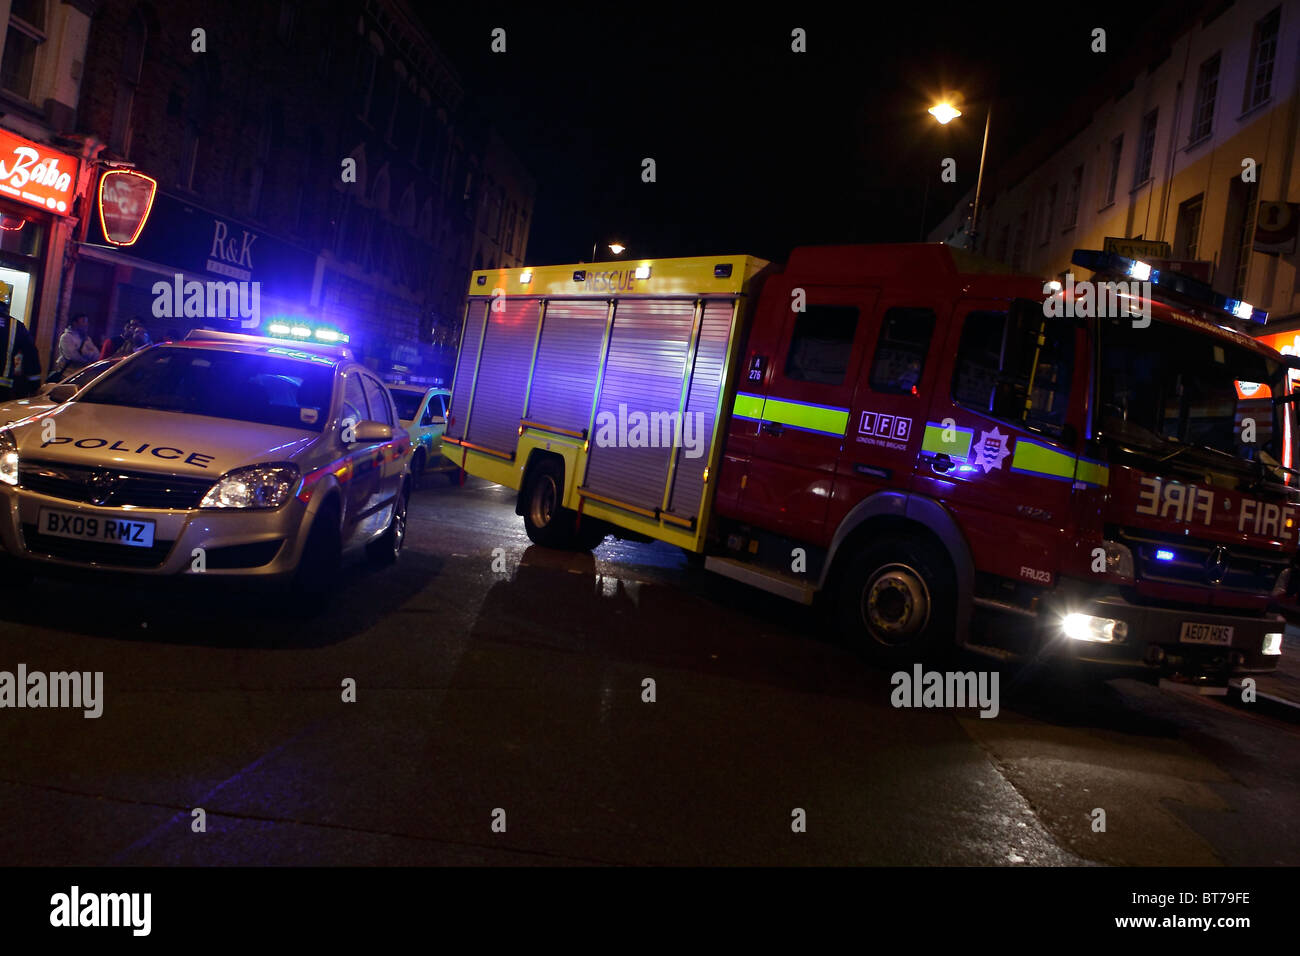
(1099, 473)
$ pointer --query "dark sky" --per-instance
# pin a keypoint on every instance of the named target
(759, 149)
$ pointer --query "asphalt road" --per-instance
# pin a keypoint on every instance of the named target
(507, 689)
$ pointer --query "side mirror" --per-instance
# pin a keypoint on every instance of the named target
(371, 432)
(438, 420)
(61, 393)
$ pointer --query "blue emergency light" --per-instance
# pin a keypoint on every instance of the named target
(1164, 555)
(1171, 286)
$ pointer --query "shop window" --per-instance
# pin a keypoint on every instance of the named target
(25, 35)
(904, 341)
(821, 344)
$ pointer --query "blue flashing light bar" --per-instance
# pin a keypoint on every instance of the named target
(1169, 286)
(299, 331)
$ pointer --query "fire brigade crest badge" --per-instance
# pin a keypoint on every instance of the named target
(991, 450)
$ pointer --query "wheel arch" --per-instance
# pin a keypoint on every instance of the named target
(894, 511)
(535, 459)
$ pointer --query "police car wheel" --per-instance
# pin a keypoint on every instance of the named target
(547, 522)
(896, 600)
(385, 549)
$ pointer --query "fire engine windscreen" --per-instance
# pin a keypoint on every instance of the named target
(1168, 389)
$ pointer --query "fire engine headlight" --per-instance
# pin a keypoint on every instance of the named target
(1099, 630)
(8, 458)
(1119, 560)
(1272, 643)
(258, 486)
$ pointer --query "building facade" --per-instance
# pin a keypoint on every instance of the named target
(1196, 148)
(44, 173)
(319, 151)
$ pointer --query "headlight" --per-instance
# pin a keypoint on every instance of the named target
(1098, 630)
(1272, 644)
(8, 458)
(1119, 560)
(1283, 582)
(258, 486)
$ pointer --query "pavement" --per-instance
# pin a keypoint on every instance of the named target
(1277, 694)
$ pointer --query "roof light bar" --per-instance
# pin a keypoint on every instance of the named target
(1169, 286)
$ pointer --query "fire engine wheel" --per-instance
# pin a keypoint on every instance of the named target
(547, 522)
(896, 600)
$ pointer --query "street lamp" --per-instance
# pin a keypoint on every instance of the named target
(615, 247)
(945, 113)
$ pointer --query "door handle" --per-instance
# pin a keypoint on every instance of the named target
(941, 464)
(772, 428)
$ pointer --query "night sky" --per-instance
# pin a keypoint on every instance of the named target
(759, 149)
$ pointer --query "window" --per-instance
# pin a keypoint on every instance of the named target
(509, 242)
(25, 35)
(119, 137)
(1021, 240)
(821, 344)
(1263, 51)
(1116, 154)
(904, 341)
(1049, 209)
(1073, 193)
(1207, 88)
(1188, 229)
(354, 401)
(1146, 148)
(377, 400)
(1243, 200)
(1003, 371)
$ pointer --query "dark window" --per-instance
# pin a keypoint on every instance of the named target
(1207, 89)
(1116, 152)
(408, 403)
(380, 410)
(1263, 51)
(1146, 148)
(1188, 229)
(821, 344)
(900, 353)
(26, 33)
(354, 401)
(1072, 195)
(1004, 371)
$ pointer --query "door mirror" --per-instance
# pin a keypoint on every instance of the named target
(438, 420)
(371, 432)
(61, 393)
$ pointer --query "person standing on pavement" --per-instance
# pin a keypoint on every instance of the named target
(20, 363)
(76, 349)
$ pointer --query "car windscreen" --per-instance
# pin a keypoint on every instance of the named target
(87, 374)
(1169, 386)
(408, 403)
(262, 389)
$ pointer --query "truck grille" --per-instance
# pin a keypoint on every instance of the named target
(1203, 564)
(95, 552)
(110, 487)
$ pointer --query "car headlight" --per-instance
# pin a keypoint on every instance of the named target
(257, 486)
(8, 458)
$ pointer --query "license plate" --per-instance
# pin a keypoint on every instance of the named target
(1220, 634)
(69, 524)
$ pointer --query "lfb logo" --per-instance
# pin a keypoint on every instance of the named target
(893, 427)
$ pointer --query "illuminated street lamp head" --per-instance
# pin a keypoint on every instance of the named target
(945, 113)
(616, 248)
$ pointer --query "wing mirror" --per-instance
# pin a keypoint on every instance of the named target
(61, 393)
(370, 432)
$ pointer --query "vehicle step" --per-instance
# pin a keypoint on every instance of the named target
(784, 585)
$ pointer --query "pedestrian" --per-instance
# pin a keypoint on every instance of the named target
(76, 348)
(20, 363)
(135, 338)
(113, 343)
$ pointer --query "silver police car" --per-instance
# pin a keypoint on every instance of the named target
(224, 454)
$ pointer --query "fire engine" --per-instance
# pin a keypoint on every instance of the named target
(944, 449)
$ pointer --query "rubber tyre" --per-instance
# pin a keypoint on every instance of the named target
(591, 532)
(318, 569)
(384, 551)
(895, 601)
(546, 521)
(418, 464)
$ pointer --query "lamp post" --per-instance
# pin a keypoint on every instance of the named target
(945, 113)
(615, 247)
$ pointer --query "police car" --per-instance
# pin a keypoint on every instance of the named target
(423, 413)
(223, 454)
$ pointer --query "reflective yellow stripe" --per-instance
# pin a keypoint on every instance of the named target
(1093, 472)
(1042, 460)
(958, 447)
(748, 406)
(829, 420)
